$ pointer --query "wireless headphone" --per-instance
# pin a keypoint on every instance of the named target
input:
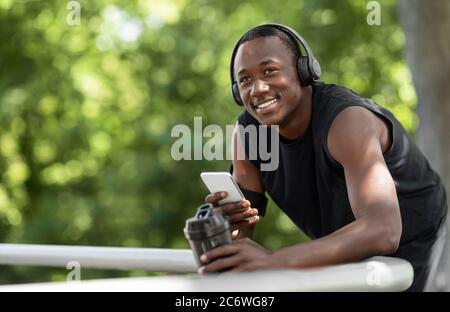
(308, 67)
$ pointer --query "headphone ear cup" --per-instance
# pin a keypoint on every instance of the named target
(303, 71)
(316, 70)
(236, 95)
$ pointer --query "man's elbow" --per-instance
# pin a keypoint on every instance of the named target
(390, 245)
(390, 237)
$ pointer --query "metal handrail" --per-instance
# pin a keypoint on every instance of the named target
(373, 274)
(118, 258)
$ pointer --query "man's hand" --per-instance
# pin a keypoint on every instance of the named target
(237, 212)
(241, 255)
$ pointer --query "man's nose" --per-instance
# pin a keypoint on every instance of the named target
(260, 88)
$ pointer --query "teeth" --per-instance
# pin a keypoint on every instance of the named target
(264, 105)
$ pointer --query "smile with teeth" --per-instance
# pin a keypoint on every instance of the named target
(266, 104)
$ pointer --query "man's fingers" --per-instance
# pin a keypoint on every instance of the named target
(231, 208)
(243, 223)
(220, 258)
(239, 213)
(215, 197)
(241, 206)
(240, 216)
(221, 251)
(221, 264)
(254, 219)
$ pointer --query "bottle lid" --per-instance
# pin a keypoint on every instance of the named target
(206, 223)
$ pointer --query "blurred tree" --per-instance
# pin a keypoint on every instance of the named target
(427, 25)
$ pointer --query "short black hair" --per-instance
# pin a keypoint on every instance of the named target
(270, 31)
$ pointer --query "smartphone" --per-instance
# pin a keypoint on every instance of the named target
(222, 182)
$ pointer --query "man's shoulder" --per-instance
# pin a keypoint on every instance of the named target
(331, 99)
(335, 93)
(352, 108)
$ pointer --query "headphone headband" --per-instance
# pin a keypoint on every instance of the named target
(296, 35)
(310, 68)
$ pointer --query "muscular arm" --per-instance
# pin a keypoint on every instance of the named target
(356, 140)
(246, 175)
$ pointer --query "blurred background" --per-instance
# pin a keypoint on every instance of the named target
(86, 111)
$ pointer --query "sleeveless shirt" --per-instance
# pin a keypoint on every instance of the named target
(309, 185)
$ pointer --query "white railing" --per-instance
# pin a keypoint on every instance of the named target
(374, 274)
(119, 258)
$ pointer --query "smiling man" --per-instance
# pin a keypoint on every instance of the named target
(348, 174)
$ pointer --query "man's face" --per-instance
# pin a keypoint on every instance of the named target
(268, 81)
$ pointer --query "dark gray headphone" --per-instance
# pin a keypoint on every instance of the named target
(308, 67)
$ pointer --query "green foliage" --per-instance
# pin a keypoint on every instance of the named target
(86, 111)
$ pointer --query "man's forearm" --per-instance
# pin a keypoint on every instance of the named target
(358, 240)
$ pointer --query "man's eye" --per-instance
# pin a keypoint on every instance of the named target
(269, 71)
(244, 79)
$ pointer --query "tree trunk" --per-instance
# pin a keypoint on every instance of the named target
(426, 24)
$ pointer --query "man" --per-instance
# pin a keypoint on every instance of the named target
(348, 175)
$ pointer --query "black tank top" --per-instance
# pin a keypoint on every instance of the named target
(309, 185)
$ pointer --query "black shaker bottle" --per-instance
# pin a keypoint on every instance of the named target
(206, 230)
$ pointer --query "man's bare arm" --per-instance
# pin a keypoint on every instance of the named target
(356, 141)
(246, 175)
